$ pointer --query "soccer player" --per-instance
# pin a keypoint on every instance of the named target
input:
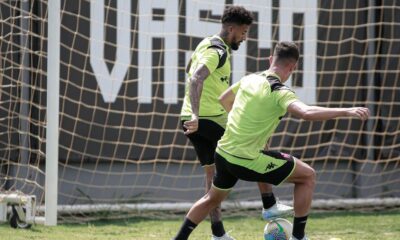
(255, 105)
(203, 118)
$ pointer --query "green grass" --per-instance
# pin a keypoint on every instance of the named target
(344, 225)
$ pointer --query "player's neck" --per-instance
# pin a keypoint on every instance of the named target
(277, 71)
(224, 36)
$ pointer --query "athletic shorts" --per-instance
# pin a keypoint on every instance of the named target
(205, 140)
(270, 167)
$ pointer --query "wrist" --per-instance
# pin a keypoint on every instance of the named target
(195, 116)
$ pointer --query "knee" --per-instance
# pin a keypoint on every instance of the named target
(211, 200)
(310, 178)
(214, 202)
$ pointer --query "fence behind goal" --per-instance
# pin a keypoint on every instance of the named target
(121, 148)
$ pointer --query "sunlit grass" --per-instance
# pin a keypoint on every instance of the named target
(344, 225)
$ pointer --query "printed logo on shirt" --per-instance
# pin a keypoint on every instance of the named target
(270, 166)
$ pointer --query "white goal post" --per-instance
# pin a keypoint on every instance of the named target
(52, 129)
(28, 203)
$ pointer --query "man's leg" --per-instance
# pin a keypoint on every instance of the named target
(199, 211)
(271, 208)
(303, 178)
(217, 226)
(267, 196)
(204, 142)
(287, 169)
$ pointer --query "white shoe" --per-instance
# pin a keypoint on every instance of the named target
(304, 238)
(224, 237)
(276, 211)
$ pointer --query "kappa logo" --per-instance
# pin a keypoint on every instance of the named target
(270, 166)
(224, 79)
(220, 52)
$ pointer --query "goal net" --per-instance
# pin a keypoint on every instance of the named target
(121, 147)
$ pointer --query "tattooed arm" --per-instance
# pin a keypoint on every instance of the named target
(195, 88)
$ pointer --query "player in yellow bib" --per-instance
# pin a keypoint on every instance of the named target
(247, 133)
(214, 56)
(255, 105)
(204, 119)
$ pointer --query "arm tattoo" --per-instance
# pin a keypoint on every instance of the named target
(196, 87)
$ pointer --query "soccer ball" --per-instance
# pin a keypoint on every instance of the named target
(278, 229)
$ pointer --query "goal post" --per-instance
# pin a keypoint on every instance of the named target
(15, 197)
(53, 101)
(91, 93)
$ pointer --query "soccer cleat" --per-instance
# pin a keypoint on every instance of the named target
(224, 237)
(294, 238)
(276, 211)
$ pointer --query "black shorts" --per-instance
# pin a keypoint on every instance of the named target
(228, 173)
(205, 140)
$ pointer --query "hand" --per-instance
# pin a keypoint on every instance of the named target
(359, 112)
(191, 125)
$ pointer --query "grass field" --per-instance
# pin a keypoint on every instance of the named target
(344, 225)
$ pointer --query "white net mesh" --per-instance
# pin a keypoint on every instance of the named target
(23, 85)
(122, 83)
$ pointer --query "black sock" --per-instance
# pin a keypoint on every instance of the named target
(217, 229)
(186, 229)
(268, 200)
(299, 224)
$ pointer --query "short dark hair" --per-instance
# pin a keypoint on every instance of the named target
(238, 15)
(286, 51)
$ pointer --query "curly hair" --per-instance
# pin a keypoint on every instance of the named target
(238, 15)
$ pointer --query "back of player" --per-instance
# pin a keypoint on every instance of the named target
(264, 99)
